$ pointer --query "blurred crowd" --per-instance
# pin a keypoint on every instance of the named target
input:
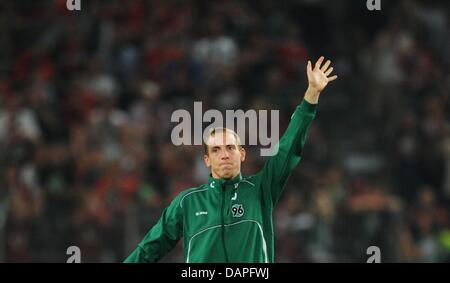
(86, 99)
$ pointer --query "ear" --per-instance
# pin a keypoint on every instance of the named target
(242, 150)
(207, 161)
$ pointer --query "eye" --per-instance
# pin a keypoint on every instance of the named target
(230, 147)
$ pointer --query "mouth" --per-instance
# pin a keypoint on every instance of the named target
(226, 164)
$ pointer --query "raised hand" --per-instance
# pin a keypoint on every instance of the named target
(318, 78)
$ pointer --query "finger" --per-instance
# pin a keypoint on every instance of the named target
(308, 67)
(330, 79)
(328, 72)
(318, 63)
(325, 66)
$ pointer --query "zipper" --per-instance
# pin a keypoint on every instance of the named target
(223, 224)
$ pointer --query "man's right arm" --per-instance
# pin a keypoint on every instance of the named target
(161, 239)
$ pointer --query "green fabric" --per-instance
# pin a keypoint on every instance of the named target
(229, 220)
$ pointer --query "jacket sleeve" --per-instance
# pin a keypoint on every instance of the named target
(278, 167)
(162, 237)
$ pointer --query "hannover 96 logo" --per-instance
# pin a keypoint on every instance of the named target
(237, 210)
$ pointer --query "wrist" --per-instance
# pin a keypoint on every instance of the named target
(312, 95)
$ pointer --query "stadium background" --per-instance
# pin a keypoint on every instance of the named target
(86, 97)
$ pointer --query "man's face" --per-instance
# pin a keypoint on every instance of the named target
(224, 155)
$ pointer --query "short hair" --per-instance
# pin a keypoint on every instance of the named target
(219, 130)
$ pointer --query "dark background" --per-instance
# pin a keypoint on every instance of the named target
(86, 97)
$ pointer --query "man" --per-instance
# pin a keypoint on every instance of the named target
(229, 219)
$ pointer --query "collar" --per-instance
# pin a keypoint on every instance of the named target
(217, 183)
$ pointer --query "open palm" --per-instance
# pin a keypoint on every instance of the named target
(319, 77)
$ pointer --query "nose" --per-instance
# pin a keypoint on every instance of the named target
(225, 154)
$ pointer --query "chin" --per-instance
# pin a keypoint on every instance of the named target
(227, 175)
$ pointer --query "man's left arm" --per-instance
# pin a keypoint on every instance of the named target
(278, 168)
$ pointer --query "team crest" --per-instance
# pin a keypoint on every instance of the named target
(237, 210)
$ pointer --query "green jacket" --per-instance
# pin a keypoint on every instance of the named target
(229, 220)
